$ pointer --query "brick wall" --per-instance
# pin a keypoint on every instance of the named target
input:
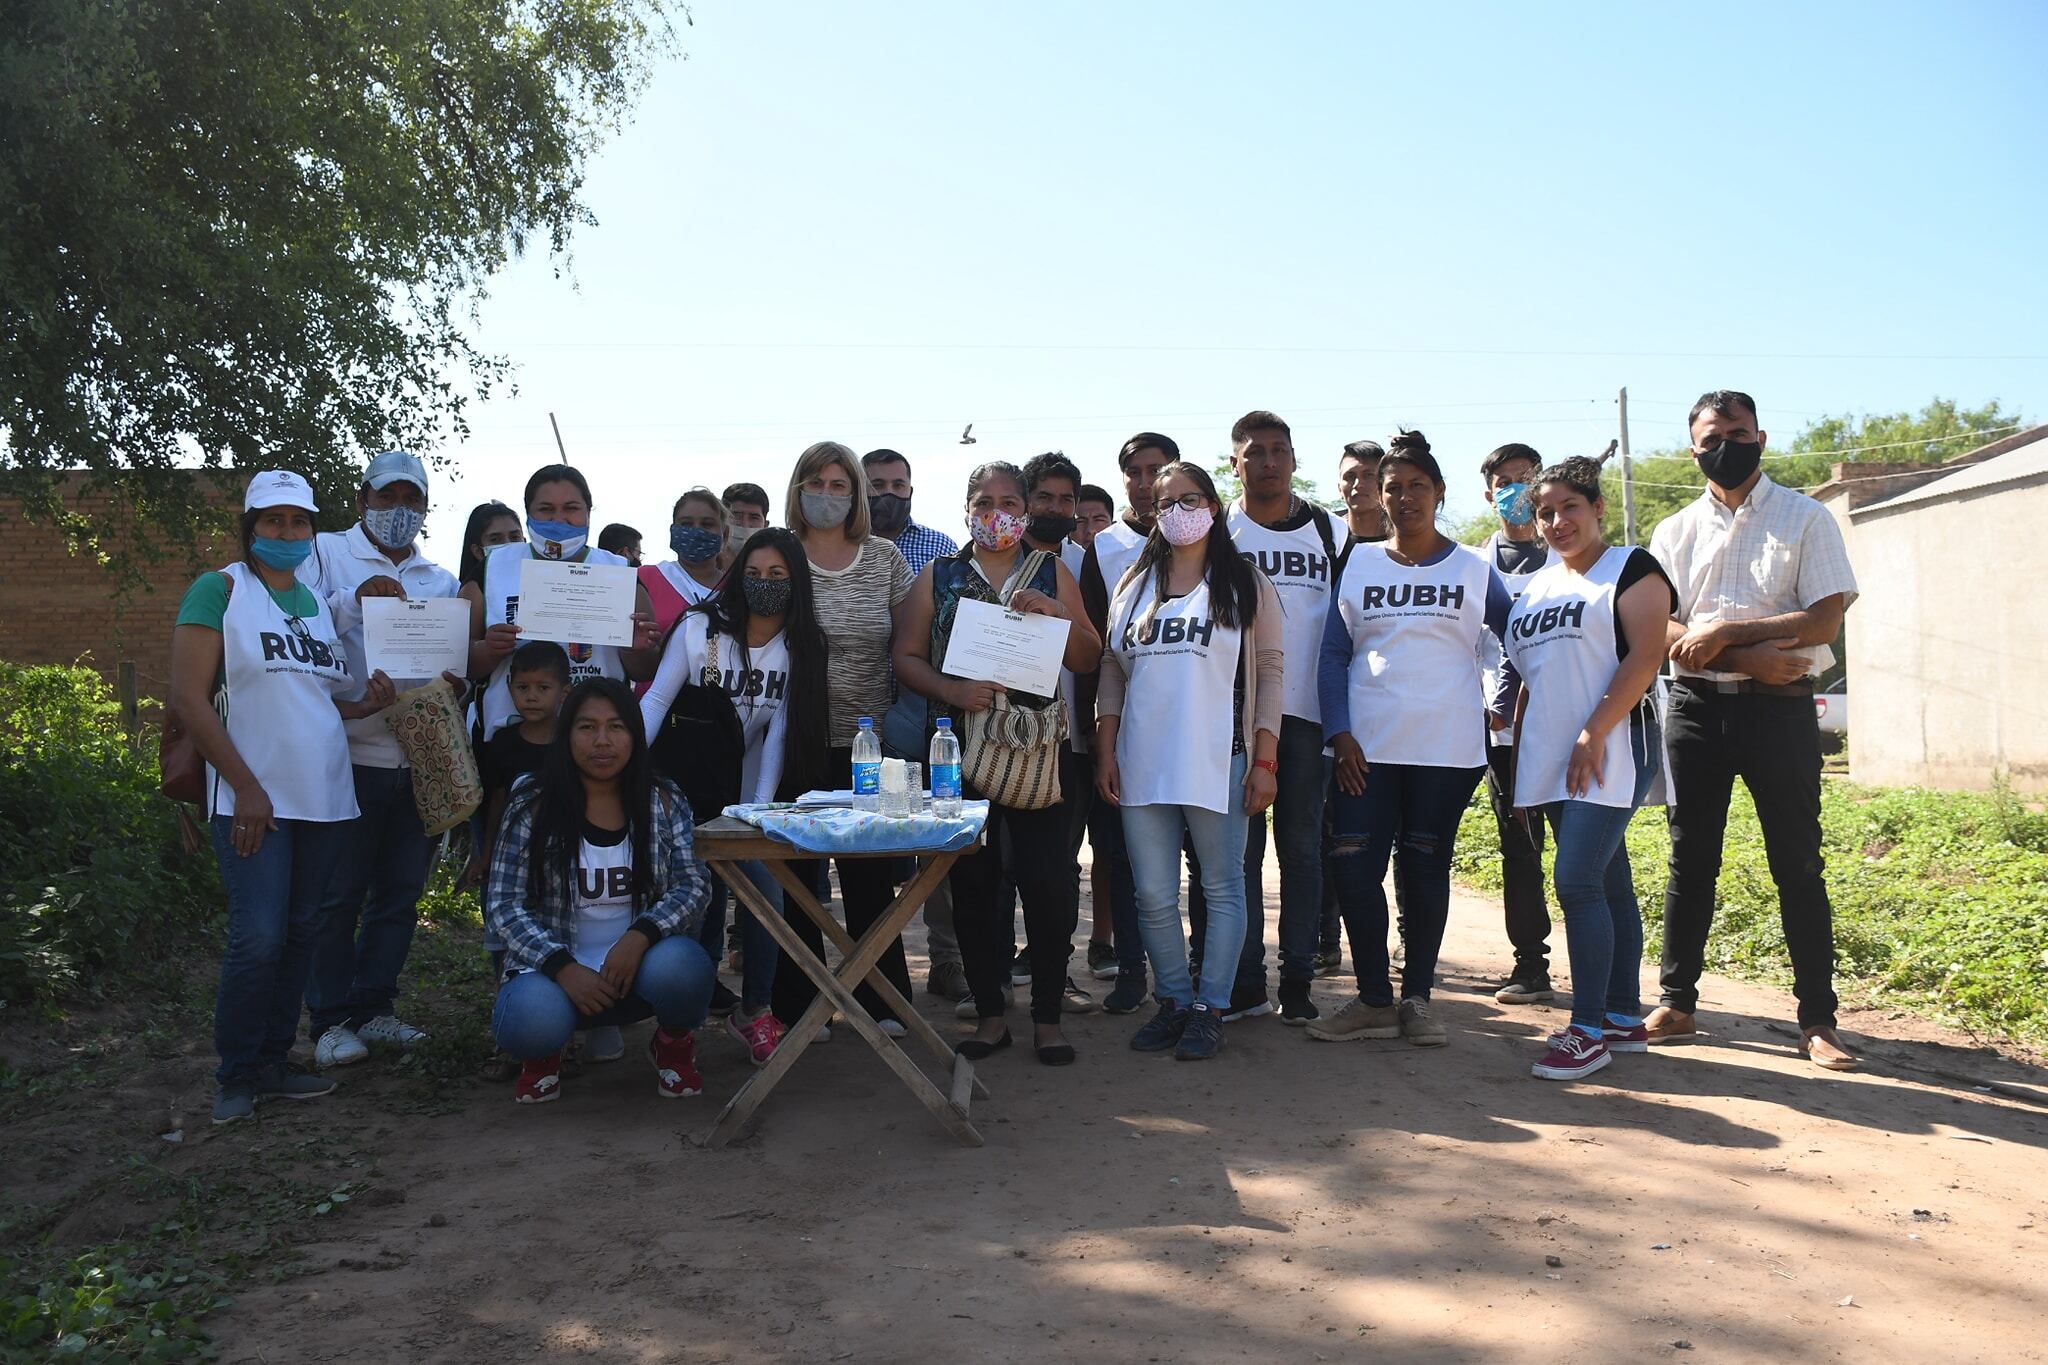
(57, 607)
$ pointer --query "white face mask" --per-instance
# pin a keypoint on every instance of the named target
(394, 527)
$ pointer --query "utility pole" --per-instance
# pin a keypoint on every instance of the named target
(1628, 486)
(565, 453)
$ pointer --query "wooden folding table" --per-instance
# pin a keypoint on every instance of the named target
(724, 844)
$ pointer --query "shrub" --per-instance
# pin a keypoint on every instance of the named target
(94, 886)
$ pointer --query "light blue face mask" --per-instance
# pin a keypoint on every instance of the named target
(1514, 503)
(280, 554)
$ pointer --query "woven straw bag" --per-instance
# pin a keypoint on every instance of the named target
(1012, 755)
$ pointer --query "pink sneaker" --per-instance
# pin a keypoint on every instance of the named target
(1573, 1055)
(1625, 1037)
(762, 1034)
(675, 1065)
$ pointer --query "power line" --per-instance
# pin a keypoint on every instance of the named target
(1232, 350)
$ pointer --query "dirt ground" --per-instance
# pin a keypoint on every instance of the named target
(1292, 1200)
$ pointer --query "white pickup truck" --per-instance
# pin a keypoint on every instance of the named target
(1831, 710)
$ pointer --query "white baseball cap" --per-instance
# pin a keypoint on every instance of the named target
(278, 488)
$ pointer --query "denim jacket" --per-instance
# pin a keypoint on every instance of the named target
(537, 937)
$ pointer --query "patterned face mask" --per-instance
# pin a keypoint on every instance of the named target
(556, 539)
(694, 544)
(997, 530)
(1185, 525)
(766, 596)
(394, 527)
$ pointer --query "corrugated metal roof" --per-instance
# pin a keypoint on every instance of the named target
(2029, 461)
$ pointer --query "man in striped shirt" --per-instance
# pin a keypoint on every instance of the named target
(1763, 581)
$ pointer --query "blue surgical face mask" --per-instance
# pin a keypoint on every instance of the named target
(1515, 505)
(695, 544)
(394, 527)
(556, 539)
(281, 554)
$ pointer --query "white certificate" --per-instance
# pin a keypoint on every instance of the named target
(576, 604)
(1021, 651)
(416, 639)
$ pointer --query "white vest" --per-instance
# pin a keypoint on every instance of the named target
(1415, 691)
(1489, 648)
(281, 686)
(1116, 549)
(1298, 563)
(1562, 637)
(501, 605)
(1174, 742)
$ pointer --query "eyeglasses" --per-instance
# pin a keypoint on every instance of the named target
(1191, 501)
(300, 632)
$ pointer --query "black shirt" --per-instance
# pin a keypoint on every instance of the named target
(505, 756)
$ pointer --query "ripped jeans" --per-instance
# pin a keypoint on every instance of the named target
(1422, 805)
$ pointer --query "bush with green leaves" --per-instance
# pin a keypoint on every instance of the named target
(1940, 899)
(94, 885)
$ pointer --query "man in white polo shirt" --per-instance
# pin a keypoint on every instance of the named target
(1763, 581)
(366, 923)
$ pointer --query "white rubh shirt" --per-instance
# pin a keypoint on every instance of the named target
(1116, 548)
(501, 604)
(1299, 563)
(760, 694)
(1414, 671)
(283, 674)
(1779, 552)
(1179, 727)
(341, 562)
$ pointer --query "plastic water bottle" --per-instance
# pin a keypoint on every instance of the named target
(867, 767)
(944, 766)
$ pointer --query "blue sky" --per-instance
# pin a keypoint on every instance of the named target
(1069, 222)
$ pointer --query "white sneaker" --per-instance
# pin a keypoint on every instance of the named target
(893, 1027)
(606, 1044)
(967, 1009)
(339, 1046)
(388, 1030)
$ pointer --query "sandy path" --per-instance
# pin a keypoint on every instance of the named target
(1291, 1201)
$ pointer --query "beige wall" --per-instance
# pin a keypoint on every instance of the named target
(1948, 657)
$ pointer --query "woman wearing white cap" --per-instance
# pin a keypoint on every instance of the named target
(257, 673)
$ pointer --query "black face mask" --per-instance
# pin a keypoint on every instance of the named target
(767, 596)
(1730, 462)
(889, 514)
(1050, 528)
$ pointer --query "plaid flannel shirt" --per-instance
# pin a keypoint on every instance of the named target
(920, 545)
(537, 938)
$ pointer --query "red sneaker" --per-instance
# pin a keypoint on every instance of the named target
(1625, 1037)
(762, 1034)
(1572, 1056)
(675, 1065)
(540, 1080)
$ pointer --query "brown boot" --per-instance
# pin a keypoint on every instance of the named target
(1666, 1023)
(1823, 1048)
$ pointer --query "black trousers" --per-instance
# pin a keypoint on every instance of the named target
(1773, 745)
(1521, 867)
(866, 886)
(1041, 862)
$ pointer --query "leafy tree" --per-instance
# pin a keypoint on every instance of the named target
(246, 233)
(1229, 488)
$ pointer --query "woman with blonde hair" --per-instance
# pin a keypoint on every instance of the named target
(857, 578)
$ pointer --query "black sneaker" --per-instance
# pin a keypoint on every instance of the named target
(723, 1001)
(1128, 996)
(1295, 1006)
(1247, 1001)
(1101, 961)
(290, 1083)
(1202, 1037)
(1329, 961)
(1020, 968)
(1524, 988)
(1163, 1031)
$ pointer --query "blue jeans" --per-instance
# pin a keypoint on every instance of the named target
(372, 904)
(1152, 837)
(273, 906)
(1421, 806)
(534, 1017)
(1297, 814)
(1596, 890)
(758, 950)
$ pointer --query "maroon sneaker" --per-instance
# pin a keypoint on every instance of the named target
(675, 1065)
(540, 1080)
(1573, 1055)
(1625, 1037)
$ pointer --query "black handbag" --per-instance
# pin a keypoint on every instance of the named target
(702, 744)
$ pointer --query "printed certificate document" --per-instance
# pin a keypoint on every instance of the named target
(580, 604)
(1021, 651)
(420, 639)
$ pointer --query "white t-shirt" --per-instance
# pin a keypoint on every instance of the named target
(1179, 728)
(604, 894)
(1298, 563)
(760, 694)
(501, 605)
(341, 562)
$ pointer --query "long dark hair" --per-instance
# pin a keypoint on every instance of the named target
(1233, 587)
(730, 614)
(480, 517)
(557, 796)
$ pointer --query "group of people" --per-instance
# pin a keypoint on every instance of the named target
(1352, 677)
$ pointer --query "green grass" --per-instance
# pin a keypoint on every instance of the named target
(1940, 900)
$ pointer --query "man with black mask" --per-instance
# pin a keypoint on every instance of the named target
(889, 510)
(1763, 581)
